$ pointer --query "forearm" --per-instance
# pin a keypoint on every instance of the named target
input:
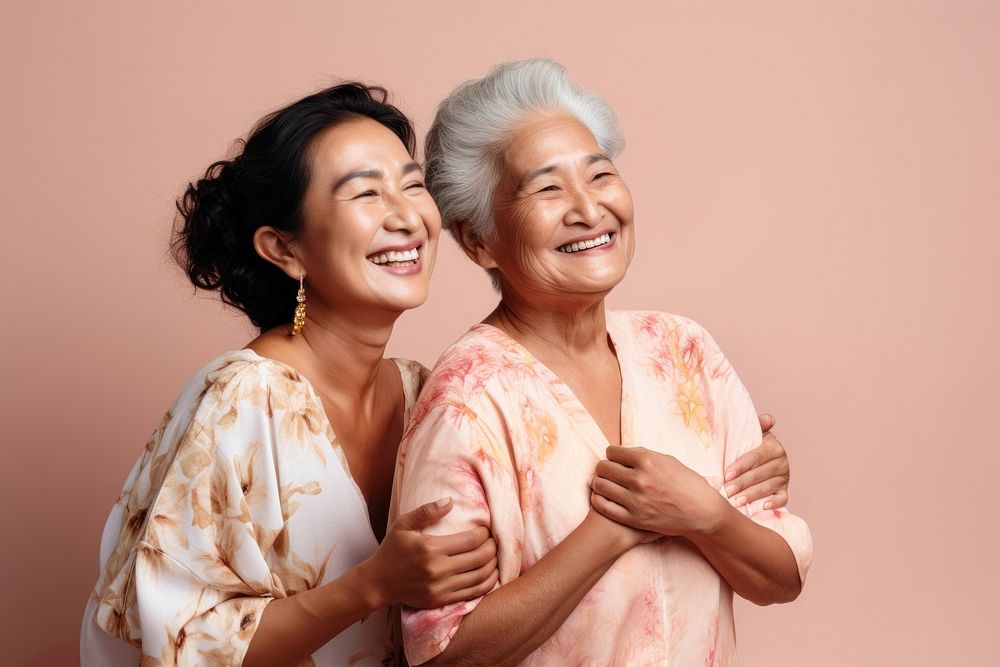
(515, 619)
(755, 561)
(293, 628)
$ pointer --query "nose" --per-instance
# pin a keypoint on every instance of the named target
(585, 208)
(402, 215)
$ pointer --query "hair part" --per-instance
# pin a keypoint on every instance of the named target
(464, 147)
(264, 185)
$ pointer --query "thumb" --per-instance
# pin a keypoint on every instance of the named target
(767, 422)
(425, 515)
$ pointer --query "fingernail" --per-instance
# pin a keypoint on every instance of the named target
(731, 489)
(741, 501)
(767, 504)
(730, 474)
(443, 502)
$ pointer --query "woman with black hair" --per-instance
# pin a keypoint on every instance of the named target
(252, 530)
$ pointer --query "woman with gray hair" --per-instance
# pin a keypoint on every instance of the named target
(594, 444)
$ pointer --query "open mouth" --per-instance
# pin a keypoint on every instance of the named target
(579, 246)
(395, 259)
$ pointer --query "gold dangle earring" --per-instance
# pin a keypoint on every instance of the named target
(300, 309)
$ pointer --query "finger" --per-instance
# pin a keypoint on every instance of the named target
(772, 446)
(474, 592)
(615, 472)
(765, 489)
(777, 501)
(472, 560)
(768, 470)
(742, 464)
(472, 578)
(610, 509)
(425, 515)
(769, 448)
(459, 543)
(767, 421)
(613, 492)
(626, 456)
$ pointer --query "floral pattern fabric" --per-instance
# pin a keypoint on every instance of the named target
(497, 431)
(242, 495)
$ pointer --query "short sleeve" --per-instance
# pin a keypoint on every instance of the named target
(737, 428)
(194, 582)
(452, 450)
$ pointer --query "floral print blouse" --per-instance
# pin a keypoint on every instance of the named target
(242, 495)
(497, 431)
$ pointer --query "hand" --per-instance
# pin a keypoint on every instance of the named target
(427, 571)
(761, 472)
(623, 537)
(655, 492)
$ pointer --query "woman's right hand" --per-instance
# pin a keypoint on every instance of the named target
(428, 571)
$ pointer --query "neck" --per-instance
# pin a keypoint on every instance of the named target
(345, 351)
(570, 327)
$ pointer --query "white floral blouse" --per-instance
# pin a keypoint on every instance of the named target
(242, 495)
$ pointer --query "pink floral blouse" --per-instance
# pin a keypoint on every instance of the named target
(497, 431)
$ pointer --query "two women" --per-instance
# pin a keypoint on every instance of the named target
(253, 529)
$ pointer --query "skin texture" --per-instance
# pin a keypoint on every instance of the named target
(558, 187)
(352, 305)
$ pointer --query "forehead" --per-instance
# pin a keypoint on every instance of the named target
(547, 137)
(355, 143)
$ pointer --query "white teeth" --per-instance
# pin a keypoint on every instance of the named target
(577, 246)
(394, 256)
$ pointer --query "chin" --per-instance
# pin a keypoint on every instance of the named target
(602, 282)
(403, 302)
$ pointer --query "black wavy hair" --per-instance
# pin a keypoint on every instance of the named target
(264, 185)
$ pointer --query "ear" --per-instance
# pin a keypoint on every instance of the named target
(474, 247)
(276, 247)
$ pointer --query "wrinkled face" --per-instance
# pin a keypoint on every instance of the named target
(563, 213)
(370, 228)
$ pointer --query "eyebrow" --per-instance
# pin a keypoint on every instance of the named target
(549, 168)
(373, 173)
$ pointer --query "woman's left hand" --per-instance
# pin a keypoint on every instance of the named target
(655, 492)
(761, 472)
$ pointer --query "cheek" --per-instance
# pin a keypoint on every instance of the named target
(526, 244)
(334, 252)
(428, 212)
(621, 205)
(536, 224)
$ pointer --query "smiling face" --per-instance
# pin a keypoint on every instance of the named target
(370, 228)
(563, 213)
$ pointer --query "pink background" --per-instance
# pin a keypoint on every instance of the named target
(815, 182)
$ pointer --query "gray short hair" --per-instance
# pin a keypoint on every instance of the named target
(465, 142)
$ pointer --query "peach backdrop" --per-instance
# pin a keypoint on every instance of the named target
(816, 182)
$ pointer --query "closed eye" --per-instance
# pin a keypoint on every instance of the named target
(602, 175)
(366, 193)
(548, 188)
(415, 184)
